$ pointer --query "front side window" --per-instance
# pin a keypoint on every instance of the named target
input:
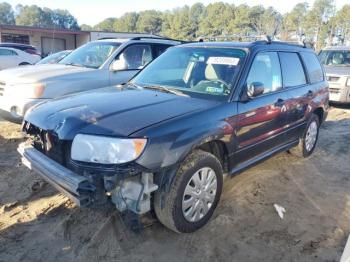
(313, 67)
(196, 71)
(335, 57)
(266, 71)
(136, 56)
(292, 70)
(92, 55)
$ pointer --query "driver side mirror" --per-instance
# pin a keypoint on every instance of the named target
(119, 64)
(255, 89)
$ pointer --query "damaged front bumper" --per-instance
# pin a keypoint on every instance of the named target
(76, 187)
(129, 190)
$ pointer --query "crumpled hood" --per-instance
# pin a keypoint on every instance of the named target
(111, 112)
(337, 70)
(40, 73)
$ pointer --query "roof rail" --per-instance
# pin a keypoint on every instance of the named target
(267, 38)
(158, 38)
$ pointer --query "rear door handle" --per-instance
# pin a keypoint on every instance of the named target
(280, 102)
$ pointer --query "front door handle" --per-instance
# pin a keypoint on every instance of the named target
(280, 102)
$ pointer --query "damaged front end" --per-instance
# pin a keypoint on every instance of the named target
(129, 186)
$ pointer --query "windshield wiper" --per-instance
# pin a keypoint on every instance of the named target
(75, 64)
(167, 90)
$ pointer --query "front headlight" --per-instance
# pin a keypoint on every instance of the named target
(106, 150)
(34, 90)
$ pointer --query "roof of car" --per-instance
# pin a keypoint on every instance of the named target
(337, 48)
(140, 38)
(246, 45)
(16, 44)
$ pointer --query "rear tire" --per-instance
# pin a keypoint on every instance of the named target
(308, 141)
(194, 194)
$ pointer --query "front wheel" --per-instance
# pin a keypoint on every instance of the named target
(194, 194)
(308, 142)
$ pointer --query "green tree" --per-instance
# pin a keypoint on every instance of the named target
(33, 16)
(241, 24)
(218, 17)
(342, 22)
(126, 23)
(6, 14)
(106, 25)
(178, 24)
(293, 22)
(86, 27)
(64, 19)
(149, 21)
(317, 22)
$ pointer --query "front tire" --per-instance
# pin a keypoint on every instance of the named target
(194, 194)
(308, 141)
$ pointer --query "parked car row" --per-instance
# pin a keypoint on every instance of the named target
(336, 61)
(94, 65)
(164, 133)
(14, 55)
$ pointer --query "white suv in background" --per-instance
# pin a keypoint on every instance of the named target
(10, 57)
(336, 61)
(94, 65)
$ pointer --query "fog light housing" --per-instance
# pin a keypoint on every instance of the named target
(16, 112)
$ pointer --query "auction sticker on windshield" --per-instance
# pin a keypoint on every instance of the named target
(223, 61)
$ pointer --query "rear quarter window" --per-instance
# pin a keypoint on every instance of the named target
(313, 67)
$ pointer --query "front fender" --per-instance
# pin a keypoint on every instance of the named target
(172, 148)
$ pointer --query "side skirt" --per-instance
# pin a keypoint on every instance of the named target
(259, 158)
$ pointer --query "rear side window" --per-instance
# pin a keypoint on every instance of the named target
(313, 67)
(7, 52)
(292, 70)
(266, 70)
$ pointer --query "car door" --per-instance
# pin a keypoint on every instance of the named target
(261, 119)
(136, 56)
(8, 58)
(298, 92)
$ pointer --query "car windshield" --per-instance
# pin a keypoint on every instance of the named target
(91, 55)
(54, 58)
(195, 71)
(335, 57)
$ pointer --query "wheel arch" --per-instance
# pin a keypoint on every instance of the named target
(320, 113)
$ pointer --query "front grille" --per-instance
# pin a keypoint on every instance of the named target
(2, 88)
(334, 90)
(333, 78)
(47, 143)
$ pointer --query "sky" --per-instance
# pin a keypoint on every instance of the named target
(92, 12)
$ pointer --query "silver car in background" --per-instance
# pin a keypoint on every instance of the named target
(336, 61)
(94, 65)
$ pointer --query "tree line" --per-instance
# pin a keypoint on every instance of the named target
(36, 16)
(319, 23)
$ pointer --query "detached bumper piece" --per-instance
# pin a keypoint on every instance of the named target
(76, 187)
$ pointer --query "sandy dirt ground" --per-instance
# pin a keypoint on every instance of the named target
(39, 224)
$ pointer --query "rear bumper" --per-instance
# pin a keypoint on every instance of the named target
(76, 187)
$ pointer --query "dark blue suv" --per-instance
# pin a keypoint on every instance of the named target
(164, 140)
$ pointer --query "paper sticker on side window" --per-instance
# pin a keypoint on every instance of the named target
(223, 61)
